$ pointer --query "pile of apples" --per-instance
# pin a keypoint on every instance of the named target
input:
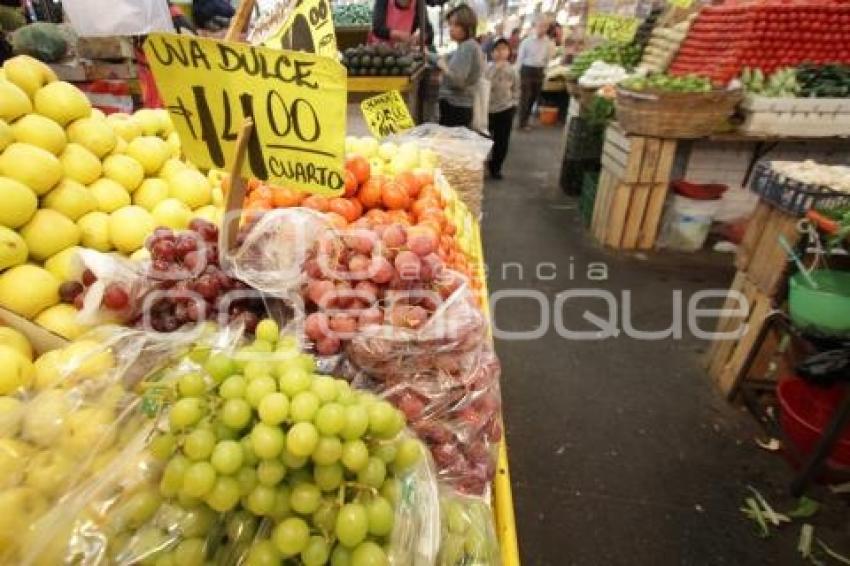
(71, 176)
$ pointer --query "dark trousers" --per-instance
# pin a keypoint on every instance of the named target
(500, 125)
(531, 83)
(451, 115)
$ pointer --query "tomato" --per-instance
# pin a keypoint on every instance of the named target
(262, 192)
(424, 203)
(344, 208)
(394, 196)
(316, 203)
(252, 184)
(350, 183)
(370, 193)
(284, 197)
(359, 166)
(358, 206)
(409, 182)
(429, 191)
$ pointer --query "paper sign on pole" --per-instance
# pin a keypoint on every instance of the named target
(296, 100)
(386, 114)
(613, 27)
(302, 25)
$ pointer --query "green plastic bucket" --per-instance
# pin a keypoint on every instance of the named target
(825, 310)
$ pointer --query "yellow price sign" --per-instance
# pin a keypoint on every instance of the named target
(297, 102)
(305, 26)
(681, 3)
(386, 114)
(612, 26)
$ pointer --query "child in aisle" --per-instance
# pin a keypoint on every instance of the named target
(504, 96)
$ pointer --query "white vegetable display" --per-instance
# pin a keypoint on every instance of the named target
(836, 177)
(662, 47)
(600, 74)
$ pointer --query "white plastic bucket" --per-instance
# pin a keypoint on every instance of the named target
(687, 222)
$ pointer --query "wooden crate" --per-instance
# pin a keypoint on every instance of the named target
(760, 254)
(632, 189)
(726, 357)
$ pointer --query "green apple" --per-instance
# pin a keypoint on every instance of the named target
(64, 265)
(150, 151)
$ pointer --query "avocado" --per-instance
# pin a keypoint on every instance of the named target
(383, 50)
(350, 52)
(354, 61)
(377, 61)
(404, 61)
(389, 61)
(366, 61)
(383, 71)
(369, 50)
(395, 71)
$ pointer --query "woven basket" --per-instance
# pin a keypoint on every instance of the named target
(675, 114)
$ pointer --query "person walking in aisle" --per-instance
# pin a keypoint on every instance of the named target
(461, 70)
(535, 52)
(504, 96)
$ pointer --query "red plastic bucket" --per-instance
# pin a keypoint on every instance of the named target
(806, 410)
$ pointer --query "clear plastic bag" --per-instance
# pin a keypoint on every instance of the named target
(120, 501)
(468, 532)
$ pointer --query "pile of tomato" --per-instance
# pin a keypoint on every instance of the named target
(370, 201)
(766, 35)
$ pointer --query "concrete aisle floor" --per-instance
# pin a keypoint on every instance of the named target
(621, 450)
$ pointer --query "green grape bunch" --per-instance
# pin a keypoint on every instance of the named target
(298, 467)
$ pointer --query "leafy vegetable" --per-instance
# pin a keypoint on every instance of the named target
(668, 83)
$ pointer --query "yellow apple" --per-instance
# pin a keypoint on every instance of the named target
(125, 126)
(62, 102)
(19, 203)
(87, 359)
(150, 151)
(14, 102)
(37, 168)
(64, 265)
(110, 195)
(47, 370)
(27, 290)
(125, 170)
(172, 213)
(80, 164)
(61, 319)
(129, 227)
(93, 134)
(94, 230)
(71, 199)
(48, 233)
(120, 147)
(151, 192)
(15, 370)
(13, 248)
(173, 141)
(13, 338)
(149, 120)
(170, 168)
(191, 187)
(210, 213)
(28, 73)
(41, 132)
(6, 135)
